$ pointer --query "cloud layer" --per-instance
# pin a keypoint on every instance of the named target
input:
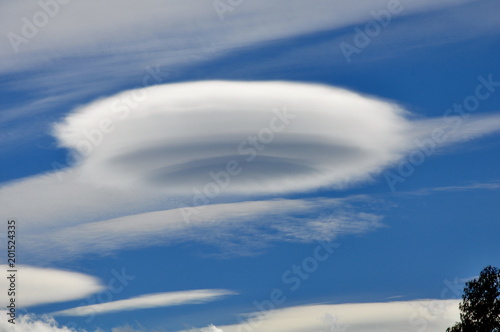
(419, 315)
(227, 226)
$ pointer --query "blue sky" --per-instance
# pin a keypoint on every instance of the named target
(246, 165)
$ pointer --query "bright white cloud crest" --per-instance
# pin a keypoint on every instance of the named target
(269, 137)
(43, 285)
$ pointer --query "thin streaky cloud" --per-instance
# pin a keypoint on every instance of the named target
(156, 300)
(494, 185)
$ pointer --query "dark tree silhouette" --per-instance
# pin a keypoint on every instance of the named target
(480, 306)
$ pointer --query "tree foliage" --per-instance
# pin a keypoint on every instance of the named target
(480, 306)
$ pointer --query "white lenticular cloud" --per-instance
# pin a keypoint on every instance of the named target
(37, 285)
(247, 137)
(142, 149)
(149, 301)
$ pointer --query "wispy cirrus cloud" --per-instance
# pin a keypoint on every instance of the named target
(473, 186)
(493, 185)
(149, 25)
